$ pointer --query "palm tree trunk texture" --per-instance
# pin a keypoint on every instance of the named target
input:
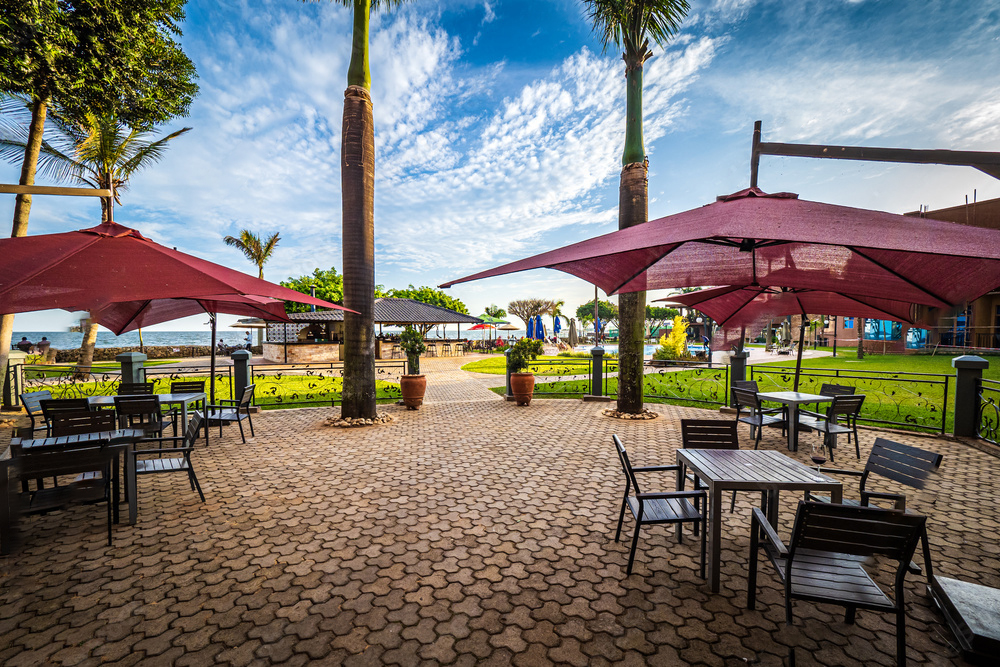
(357, 164)
(22, 207)
(633, 209)
(861, 337)
(90, 335)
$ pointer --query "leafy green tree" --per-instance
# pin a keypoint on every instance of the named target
(357, 177)
(115, 58)
(606, 310)
(528, 308)
(434, 297)
(258, 250)
(98, 151)
(496, 311)
(630, 24)
(657, 316)
(329, 287)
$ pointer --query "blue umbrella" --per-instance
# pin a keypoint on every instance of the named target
(539, 328)
(597, 328)
(556, 326)
(531, 327)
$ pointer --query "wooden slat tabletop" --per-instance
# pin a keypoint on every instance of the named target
(751, 469)
(124, 434)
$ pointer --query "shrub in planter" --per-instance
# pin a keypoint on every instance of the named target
(413, 384)
(522, 382)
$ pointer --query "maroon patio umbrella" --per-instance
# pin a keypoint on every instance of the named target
(92, 268)
(781, 241)
(746, 307)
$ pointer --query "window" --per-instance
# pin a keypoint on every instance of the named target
(848, 322)
(883, 330)
(916, 339)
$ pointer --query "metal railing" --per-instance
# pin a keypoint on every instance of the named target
(163, 378)
(317, 384)
(572, 375)
(688, 381)
(64, 381)
(988, 392)
(916, 401)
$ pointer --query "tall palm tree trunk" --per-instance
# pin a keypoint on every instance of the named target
(633, 209)
(357, 173)
(90, 334)
(22, 207)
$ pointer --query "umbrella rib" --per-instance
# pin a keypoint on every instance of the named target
(858, 299)
(134, 316)
(747, 303)
(941, 302)
(643, 269)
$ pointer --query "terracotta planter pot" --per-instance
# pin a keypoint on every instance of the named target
(522, 385)
(413, 387)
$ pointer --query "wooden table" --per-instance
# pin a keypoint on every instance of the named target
(748, 470)
(183, 400)
(793, 399)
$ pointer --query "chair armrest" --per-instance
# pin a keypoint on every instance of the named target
(810, 413)
(672, 494)
(167, 439)
(898, 498)
(837, 471)
(135, 453)
(655, 468)
(230, 401)
(770, 534)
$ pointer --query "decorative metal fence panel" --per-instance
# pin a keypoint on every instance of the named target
(562, 377)
(288, 385)
(989, 410)
(917, 401)
(686, 381)
(64, 381)
(163, 378)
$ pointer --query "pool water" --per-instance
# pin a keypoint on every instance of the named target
(647, 350)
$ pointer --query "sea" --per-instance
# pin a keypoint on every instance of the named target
(69, 340)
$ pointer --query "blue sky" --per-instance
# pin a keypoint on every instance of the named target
(500, 124)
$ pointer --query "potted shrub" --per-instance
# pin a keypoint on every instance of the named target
(413, 384)
(522, 382)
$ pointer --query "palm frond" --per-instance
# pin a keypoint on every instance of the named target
(629, 24)
(144, 154)
(268, 247)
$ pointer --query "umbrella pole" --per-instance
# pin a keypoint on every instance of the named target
(798, 357)
(211, 382)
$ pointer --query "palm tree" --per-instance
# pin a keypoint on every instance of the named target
(99, 151)
(630, 24)
(256, 250)
(357, 174)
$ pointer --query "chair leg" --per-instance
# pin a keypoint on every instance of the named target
(621, 517)
(704, 535)
(635, 542)
(850, 615)
(194, 480)
(250, 421)
(239, 422)
(752, 568)
(732, 504)
(857, 445)
(901, 636)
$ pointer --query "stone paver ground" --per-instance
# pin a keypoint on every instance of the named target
(469, 532)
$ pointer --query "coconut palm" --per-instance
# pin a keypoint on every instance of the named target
(256, 250)
(97, 150)
(357, 174)
(629, 25)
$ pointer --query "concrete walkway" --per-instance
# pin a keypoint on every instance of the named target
(469, 532)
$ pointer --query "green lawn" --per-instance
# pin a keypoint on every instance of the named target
(566, 366)
(35, 372)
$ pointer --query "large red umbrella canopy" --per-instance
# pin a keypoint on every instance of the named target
(747, 306)
(91, 269)
(780, 240)
(126, 316)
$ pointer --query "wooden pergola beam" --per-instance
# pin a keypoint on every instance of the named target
(986, 162)
(50, 190)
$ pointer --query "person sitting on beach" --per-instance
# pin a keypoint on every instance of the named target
(24, 344)
(221, 346)
(43, 345)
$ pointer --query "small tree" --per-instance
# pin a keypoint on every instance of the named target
(329, 287)
(496, 311)
(256, 248)
(606, 310)
(411, 342)
(674, 346)
(528, 308)
(522, 353)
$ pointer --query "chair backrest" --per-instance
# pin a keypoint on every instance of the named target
(836, 390)
(136, 388)
(746, 399)
(626, 464)
(246, 398)
(50, 463)
(137, 405)
(901, 463)
(746, 385)
(858, 531)
(845, 405)
(53, 406)
(193, 429)
(81, 421)
(709, 434)
(32, 402)
(188, 387)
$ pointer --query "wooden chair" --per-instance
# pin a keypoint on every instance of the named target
(175, 459)
(821, 563)
(188, 387)
(846, 406)
(228, 411)
(141, 412)
(136, 388)
(73, 422)
(51, 407)
(32, 402)
(758, 416)
(710, 434)
(93, 486)
(658, 508)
